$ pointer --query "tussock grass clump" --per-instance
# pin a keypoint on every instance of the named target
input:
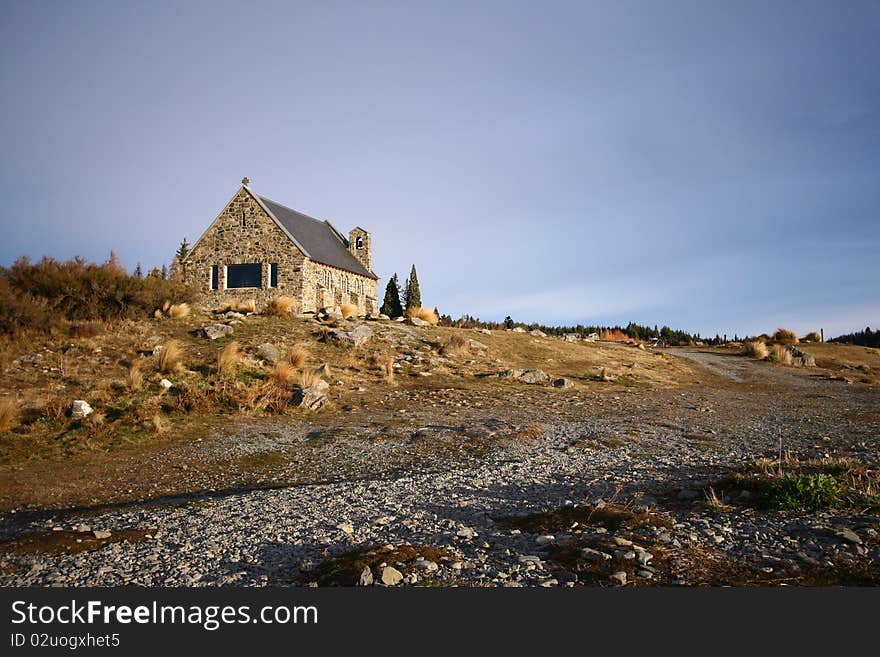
(454, 345)
(308, 378)
(159, 425)
(389, 369)
(348, 310)
(756, 349)
(85, 330)
(228, 360)
(281, 306)
(283, 374)
(424, 314)
(8, 414)
(170, 358)
(178, 310)
(781, 355)
(784, 336)
(134, 377)
(297, 356)
(812, 336)
(247, 306)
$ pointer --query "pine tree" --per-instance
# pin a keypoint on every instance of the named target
(139, 271)
(182, 250)
(391, 305)
(413, 295)
(164, 271)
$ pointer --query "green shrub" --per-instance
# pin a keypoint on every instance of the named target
(801, 492)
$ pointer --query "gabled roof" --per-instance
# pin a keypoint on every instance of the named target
(317, 239)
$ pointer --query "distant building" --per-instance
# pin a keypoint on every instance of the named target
(257, 248)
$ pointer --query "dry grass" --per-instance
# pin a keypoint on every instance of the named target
(281, 306)
(781, 355)
(248, 306)
(784, 336)
(297, 356)
(349, 310)
(159, 425)
(604, 375)
(715, 503)
(8, 414)
(179, 310)
(424, 314)
(134, 378)
(454, 345)
(85, 330)
(389, 369)
(228, 360)
(614, 335)
(283, 374)
(166, 307)
(308, 378)
(756, 349)
(170, 358)
(812, 336)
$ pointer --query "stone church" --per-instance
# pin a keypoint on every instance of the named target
(258, 249)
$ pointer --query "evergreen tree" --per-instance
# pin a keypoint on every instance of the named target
(182, 250)
(391, 305)
(164, 271)
(139, 271)
(413, 296)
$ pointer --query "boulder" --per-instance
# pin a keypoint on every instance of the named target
(538, 334)
(366, 578)
(269, 353)
(510, 374)
(400, 319)
(571, 337)
(355, 337)
(476, 344)
(484, 331)
(415, 321)
(80, 409)
(801, 358)
(562, 383)
(312, 398)
(384, 317)
(534, 377)
(391, 576)
(518, 329)
(215, 331)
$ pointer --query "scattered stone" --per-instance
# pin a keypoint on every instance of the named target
(215, 331)
(101, 534)
(313, 397)
(415, 321)
(391, 576)
(534, 377)
(594, 555)
(426, 565)
(366, 578)
(166, 384)
(619, 578)
(563, 383)
(848, 535)
(476, 344)
(269, 353)
(622, 542)
(545, 539)
(571, 337)
(345, 528)
(538, 334)
(80, 409)
(355, 337)
(466, 532)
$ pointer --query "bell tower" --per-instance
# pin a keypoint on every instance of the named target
(361, 247)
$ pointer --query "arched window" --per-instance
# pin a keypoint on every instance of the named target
(359, 243)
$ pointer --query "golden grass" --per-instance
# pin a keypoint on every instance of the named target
(8, 414)
(389, 369)
(281, 306)
(349, 310)
(170, 358)
(455, 344)
(756, 349)
(424, 314)
(158, 313)
(784, 336)
(604, 375)
(159, 425)
(248, 306)
(308, 378)
(283, 374)
(178, 310)
(297, 356)
(166, 306)
(782, 355)
(228, 360)
(134, 378)
(812, 336)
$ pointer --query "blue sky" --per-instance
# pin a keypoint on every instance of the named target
(713, 166)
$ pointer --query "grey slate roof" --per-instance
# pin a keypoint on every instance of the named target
(318, 237)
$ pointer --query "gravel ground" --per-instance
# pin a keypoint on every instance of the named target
(448, 485)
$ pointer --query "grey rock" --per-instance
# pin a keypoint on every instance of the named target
(101, 534)
(476, 344)
(415, 321)
(594, 555)
(215, 331)
(619, 578)
(366, 578)
(848, 535)
(80, 409)
(538, 334)
(563, 383)
(313, 397)
(356, 337)
(534, 377)
(269, 353)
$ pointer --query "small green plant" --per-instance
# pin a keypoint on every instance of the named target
(801, 492)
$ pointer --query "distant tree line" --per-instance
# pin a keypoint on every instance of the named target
(866, 338)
